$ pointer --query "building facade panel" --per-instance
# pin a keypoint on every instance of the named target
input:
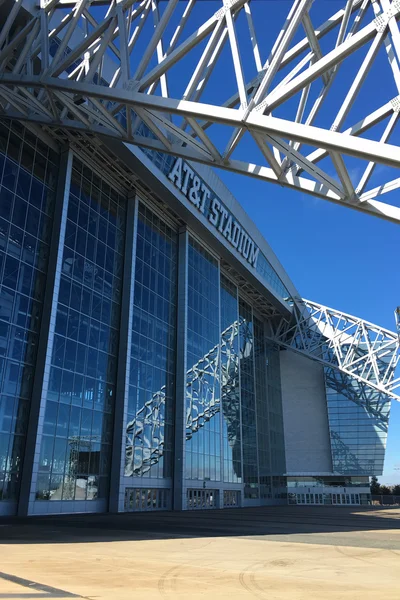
(230, 383)
(28, 176)
(307, 442)
(275, 414)
(75, 448)
(151, 395)
(358, 425)
(203, 379)
(158, 385)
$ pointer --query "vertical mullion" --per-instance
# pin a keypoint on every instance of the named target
(179, 490)
(255, 398)
(240, 399)
(268, 412)
(116, 497)
(221, 417)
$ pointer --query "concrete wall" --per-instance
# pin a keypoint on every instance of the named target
(305, 417)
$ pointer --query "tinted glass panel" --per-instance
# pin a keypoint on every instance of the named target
(149, 439)
(203, 419)
(248, 393)
(230, 386)
(77, 437)
(28, 171)
(358, 423)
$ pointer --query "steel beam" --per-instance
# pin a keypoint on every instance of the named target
(65, 68)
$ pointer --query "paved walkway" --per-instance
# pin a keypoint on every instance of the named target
(295, 553)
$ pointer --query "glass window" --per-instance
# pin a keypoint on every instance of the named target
(248, 391)
(203, 420)
(23, 244)
(80, 372)
(149, 435)
(230, 389)
(358, 423)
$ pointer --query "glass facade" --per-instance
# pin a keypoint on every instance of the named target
(230, 410)
(268, 273)
(358, 424)
(264, 268)
(263, 429)
(150, 425)
(28, 175)
(328, 481)
(248, 400)
(203, 389)
(77, 434)
(230, 383)
(228, 386)
(337, 498)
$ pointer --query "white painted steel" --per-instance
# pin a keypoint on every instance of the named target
(104, 68)
(360, 350)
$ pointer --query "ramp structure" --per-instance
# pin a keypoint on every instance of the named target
(308, 100)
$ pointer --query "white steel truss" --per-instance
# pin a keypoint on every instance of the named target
(204, 389)
(359, 359)
(360, 350)
(204, 81)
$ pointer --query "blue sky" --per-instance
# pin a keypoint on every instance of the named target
(336, 256)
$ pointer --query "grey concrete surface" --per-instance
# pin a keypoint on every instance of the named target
(329, 553)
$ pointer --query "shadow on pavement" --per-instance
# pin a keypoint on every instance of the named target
(269, 521)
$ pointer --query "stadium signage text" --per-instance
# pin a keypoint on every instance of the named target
(196, 191)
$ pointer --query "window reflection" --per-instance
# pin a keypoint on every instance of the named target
(358, 423)
(247, 384)
(203, 432)
(149, 434)
(247, 371)
(262, 406)
(27, 187)
(230, 387)
(77, 434)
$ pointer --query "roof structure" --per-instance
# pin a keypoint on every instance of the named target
(292, 107)
(203, 81)
(361, 351)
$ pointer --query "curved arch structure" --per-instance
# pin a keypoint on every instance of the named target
(359, 359)
(285, 98)
(292, 106)
(357, 349)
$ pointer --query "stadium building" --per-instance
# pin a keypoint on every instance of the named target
(154, 353)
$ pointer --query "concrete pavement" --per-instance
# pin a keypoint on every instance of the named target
(276, 552)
